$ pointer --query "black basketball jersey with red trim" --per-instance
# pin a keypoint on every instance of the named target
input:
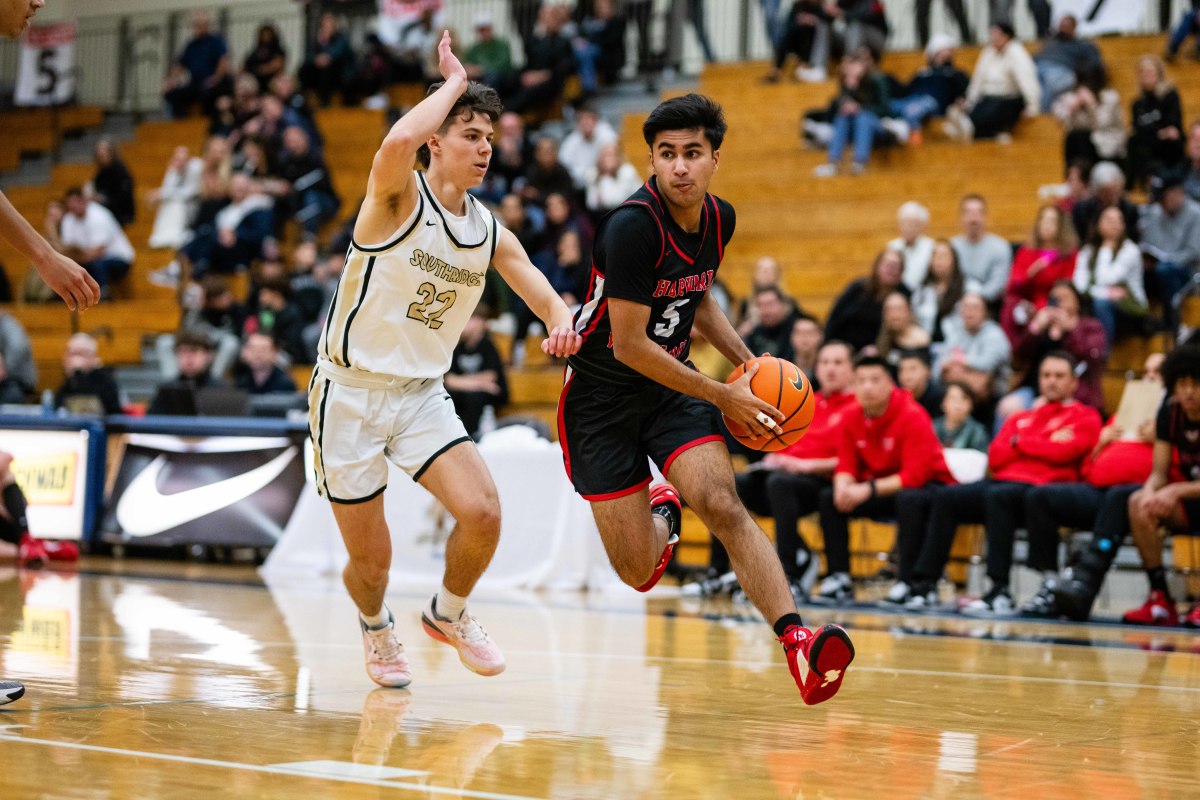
(642, 255)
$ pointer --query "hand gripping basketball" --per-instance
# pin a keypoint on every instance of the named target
(778, 394)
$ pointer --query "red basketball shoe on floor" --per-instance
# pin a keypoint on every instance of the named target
(31, 552)
(664, 501)
(1157, 610)
(817, 661)
(61, 550)
(1192, 620)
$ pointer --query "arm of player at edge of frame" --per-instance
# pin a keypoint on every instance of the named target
(531, 286)
(69, 281)
(633, 348)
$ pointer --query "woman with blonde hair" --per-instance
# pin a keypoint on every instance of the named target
(1157, 139)
(1045, 259)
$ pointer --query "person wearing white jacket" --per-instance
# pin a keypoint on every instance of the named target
(611, 180)
(176, 200)
(1003, 86)
(1109, 269)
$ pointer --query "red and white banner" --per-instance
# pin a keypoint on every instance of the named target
(47, 74)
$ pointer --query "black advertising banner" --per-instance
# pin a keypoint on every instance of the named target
(228, 491)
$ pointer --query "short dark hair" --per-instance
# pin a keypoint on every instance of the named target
(684, 113)
(972, 197)
(1061, 355)
(871, 360)
(73, 191)
(477, 99)
(1004, 27)
(839, 343)
(193, 338)
(967, 391)
(1182, 362)
(772, 289)
(916, 355)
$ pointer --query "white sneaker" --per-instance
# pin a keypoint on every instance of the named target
(826, 171)
(811, 74)
(897, 127)
(386, 663)
(476, 650)
(11, 691)
(835, 589)
(166, 277)
(898, 595)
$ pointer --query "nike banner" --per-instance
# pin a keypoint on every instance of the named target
(228, 491)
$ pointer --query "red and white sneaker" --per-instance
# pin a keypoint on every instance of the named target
(817, 661)
(1157, 610)
(476, 650)
(386, 663)
(1192, 620)
(61, 550)
(664, 501)
(31, 551)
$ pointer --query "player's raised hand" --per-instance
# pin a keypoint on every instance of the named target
(741, 405)
(70, 281)
(448, 63)
(562, 342)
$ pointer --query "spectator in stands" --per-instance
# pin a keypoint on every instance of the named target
(11, 390)
(397, 16)
(414, 55)
(899, 333)
(1156, 143)
(237, 235)
(176, 200)
(312, 201)
(327, 274)
(1171, 237)
(214, 179)
(956, 9)
(889, 464)
(201, 72)
(1108, 189)
(1072, 191)
(374, 72)
(1046, 258)
(1003, 87)
(489, 59)
(1061, 326)
(956, 429)
(913, 218)
(975, 351)
(857, 314)
(610, 182)
(549, 60)
(17, 354)
(476, 378)
(1188, 25)
(262, 375)
(87, 387)
(933, 88)
(267, 59)
(194, 354)
(218, 316)
(112, 185)
(806, 36)
(806, 341)
(773, 333)
(1091, 116)
(789, 484)
(1117, 466)
(1109, 270)
(766, 272)
(984, 257)
(329, 65)
(1043, 445)
(278, 317)
(862, 101)
(1191, 179)
(935, 299)
(1002, 10)
(512, 156)
(514, 216)
(581, 147)
(547, 175)
(858, 23)
(94, 237)
(914, 374)
(600, 47)
(1062, 58)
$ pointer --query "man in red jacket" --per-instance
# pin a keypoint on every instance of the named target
(1042, 445)
(889, 465)
(787, 485)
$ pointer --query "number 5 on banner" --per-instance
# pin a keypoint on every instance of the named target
(47, 74)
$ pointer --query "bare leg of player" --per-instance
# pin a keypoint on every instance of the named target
(365, 532)
(633, 537)
(460, 480)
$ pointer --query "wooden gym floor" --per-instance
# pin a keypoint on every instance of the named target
(154, 680)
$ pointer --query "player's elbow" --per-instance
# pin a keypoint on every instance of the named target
(625, 351)
(398, 145)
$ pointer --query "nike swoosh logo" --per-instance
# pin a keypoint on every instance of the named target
(430, 222)
(145, 511)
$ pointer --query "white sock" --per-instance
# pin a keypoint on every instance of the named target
(377, 620)
(448, 605)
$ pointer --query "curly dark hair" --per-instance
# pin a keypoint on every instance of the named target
(477, 99)
(685, 113)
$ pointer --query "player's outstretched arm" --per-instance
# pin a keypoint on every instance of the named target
(714, 326)
(68, 280)
(531, 286)
(391, 171)
(635, 349)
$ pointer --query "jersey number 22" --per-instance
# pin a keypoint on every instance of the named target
(430, 295)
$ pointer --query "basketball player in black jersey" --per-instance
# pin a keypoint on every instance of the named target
(630, 392)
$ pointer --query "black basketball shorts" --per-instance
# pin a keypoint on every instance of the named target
(607, 431)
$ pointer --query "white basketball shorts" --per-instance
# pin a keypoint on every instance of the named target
(357, 420)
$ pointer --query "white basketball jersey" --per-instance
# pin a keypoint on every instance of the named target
(400, 306)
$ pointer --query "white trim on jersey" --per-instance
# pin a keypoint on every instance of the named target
(586, 312)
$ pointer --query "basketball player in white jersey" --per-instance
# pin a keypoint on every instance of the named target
(414, 272)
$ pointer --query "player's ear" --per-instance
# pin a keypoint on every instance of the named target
(716, 159)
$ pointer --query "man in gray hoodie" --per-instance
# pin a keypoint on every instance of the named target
(1171, 236)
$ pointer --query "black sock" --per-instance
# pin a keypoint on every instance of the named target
(787, 621)
(14, 502)
(1158, 580)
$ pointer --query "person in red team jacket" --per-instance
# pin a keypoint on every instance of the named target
(1043, 445)
(890, 465)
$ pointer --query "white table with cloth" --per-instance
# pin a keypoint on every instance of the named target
(548, 538)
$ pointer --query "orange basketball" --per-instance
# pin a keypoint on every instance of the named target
(783, 385)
